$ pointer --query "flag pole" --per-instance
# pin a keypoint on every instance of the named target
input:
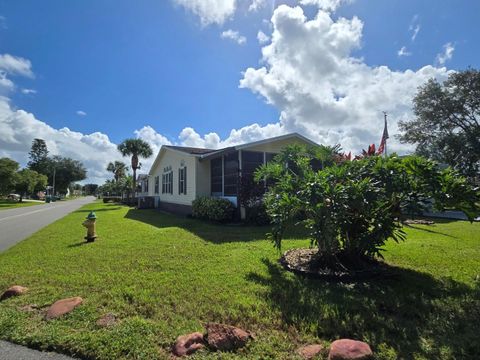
(385, 115)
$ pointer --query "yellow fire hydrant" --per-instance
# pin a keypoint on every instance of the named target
(89, 223)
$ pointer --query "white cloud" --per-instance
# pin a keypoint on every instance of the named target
(326, 5)
(262, 37)
(446, 55)
(403, 52)
(29, 91)
(322, 91)
(210, 11)
(81, 113)
(15, 65)
(414, 27)
(18, 128)
(257, 5)
(234, 35)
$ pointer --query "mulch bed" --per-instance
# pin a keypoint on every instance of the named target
(309, 262)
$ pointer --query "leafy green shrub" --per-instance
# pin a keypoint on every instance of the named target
(353, 207)
(213, 209)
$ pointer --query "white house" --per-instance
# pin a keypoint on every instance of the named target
(181, 174)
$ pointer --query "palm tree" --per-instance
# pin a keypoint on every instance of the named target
(118, 169)
(135, 148)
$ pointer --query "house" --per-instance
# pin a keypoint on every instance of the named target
(181, 174)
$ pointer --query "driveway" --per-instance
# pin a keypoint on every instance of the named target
(17, 224)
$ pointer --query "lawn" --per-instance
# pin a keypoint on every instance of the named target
(165, 276)
(10, 204)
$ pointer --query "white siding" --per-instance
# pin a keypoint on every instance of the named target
(174, 159)
(203, 178)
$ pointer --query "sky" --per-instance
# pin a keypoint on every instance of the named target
(85, 75)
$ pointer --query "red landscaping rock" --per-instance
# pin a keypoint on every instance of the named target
(107, 320)
(14, 290)
(188, 344)
(62, 307)
(225, 337)
(346, 349)
(310, 351)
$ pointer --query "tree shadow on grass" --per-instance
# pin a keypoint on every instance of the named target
(430, 230)
(211, 232)
(412, 313)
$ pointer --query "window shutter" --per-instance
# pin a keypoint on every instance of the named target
(171, 182)
(179, 184)
(185, 180)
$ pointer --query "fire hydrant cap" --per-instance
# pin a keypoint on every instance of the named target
(92, 215)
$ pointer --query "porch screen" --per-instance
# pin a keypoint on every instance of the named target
(216, 176)
(230, 170)
(251, 160)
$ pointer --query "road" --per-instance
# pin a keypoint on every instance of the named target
(10, 351)
(17, 224)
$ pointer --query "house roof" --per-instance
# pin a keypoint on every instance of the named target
(190, 150)
(203, 153)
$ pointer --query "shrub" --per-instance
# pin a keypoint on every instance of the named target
(352, 208)
(213, 209)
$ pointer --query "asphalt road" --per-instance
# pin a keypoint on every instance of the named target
(10, 351)
(17, 224)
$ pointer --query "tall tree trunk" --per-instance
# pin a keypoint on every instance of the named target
(134, 170)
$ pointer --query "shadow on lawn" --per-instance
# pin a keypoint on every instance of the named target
(411, 313)
(215, 233)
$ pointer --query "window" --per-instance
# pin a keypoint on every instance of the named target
(146, 185)
(167, 183)
(230, 171)
(182, 180)
(216, 176)
(157, 185)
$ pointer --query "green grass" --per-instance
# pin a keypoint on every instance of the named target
(10, 204)
(165, 276)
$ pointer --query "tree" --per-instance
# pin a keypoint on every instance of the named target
(135, 148)
(8, 175)
(38, 156)
(447, 123)
(90, 189)
(118, 169)
(29, 180)
(352, 208)
(66, 171)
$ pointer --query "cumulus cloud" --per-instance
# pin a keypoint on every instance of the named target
(446, 54)
(403, 52)
(321, 90)
(18, 128)
(81, 113)
(210, 11)
(262, 37)
(234, 35)
(326, 5)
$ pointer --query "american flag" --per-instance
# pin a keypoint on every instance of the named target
(383, 143)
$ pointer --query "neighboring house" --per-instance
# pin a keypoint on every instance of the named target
(181, 174)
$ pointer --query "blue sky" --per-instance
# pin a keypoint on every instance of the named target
(111, 68)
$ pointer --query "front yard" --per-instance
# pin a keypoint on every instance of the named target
(165, 276)
(10, 204)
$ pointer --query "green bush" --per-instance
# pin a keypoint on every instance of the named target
(353, 207)
(213, 209)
